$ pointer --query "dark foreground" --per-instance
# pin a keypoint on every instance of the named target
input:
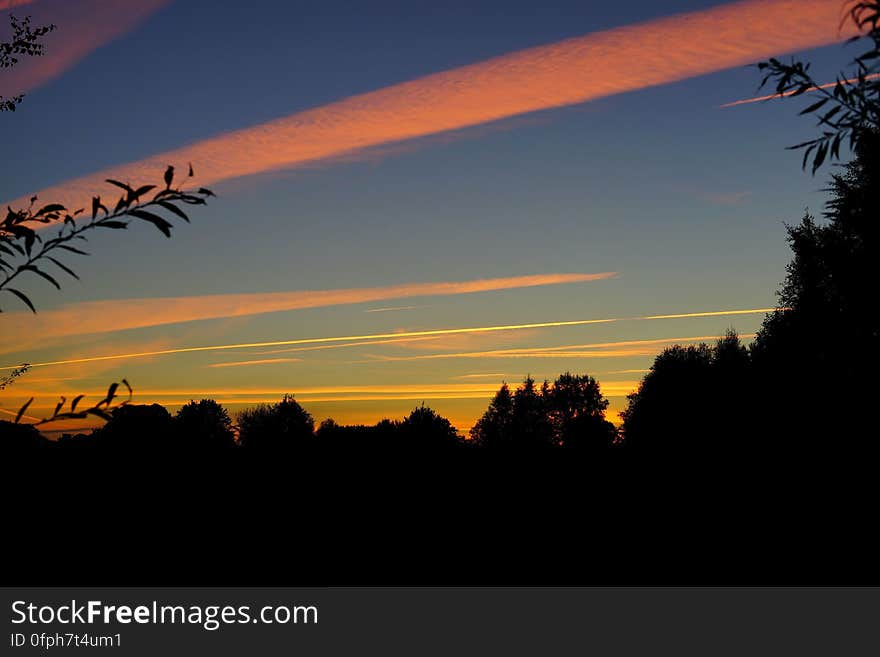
(463, 518)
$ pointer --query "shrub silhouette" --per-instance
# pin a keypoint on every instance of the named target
(284, 425)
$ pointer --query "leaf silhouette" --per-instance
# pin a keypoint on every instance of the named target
(127, 188)
(173, 208)
(64, 267)
(24, 298)
(53, 207)
(154, 219)
(23, 409)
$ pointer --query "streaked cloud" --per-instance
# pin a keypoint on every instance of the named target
(122, 314)
(384, 336)
(568, 72)
(83, 26)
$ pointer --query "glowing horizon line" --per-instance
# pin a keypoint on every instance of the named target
(379, 336)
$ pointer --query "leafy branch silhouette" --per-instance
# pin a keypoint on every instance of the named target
(8, 379)
(18, 240)
(850, 108)
(103, 409)
(25, 42)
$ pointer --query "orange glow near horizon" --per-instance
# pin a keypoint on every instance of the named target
(240, 398)
(568, 72)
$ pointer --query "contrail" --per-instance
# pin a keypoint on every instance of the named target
(381, 336)
(785, 94)
(568, 72)
(262, 361)
(714, 313)
(594, 350)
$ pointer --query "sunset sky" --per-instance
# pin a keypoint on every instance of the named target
(416, 201)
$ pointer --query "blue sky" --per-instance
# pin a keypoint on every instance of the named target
(684, 200)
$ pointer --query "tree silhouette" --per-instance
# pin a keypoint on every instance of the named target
(424, 428)
(531, 424)
(493, 429)
(576, 410)
(137, 431)
(26, 42)
(569, 413)
(827, 330)
(696, 401)
(282, 426)
(204, 427)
